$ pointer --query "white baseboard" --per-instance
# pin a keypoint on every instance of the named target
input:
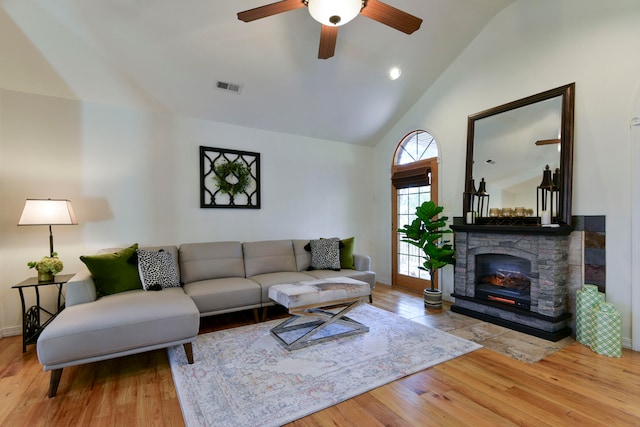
(626, 343)
(10, 331)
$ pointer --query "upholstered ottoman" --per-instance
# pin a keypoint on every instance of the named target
(318, 299)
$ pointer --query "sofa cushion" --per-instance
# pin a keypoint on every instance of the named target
(268, 257)
(203, 261)
(302, 254)
(114, 272)
(118, 323)
(226, 294)
(325, 254)
(157, 268)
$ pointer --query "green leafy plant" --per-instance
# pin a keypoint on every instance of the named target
(427, 232)
(48, 264)
(227, 170)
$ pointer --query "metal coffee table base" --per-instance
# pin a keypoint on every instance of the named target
(314, 327)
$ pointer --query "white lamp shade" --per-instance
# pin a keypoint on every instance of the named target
(47, 212)
(334, 12)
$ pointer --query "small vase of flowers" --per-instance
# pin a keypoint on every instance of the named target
(47, 267)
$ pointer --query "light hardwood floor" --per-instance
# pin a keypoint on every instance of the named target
(573, 386)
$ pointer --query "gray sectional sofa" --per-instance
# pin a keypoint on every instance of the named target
(216, 277)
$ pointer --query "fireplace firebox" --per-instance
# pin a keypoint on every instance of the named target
(504, 279)
(517, 280)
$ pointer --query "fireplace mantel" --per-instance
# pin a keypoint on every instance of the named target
(561, 230)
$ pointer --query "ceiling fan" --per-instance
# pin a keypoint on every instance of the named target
(334, 13)
(548, 141)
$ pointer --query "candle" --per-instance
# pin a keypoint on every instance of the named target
(545, 218)
(471, 217)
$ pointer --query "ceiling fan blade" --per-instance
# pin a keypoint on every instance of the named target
(328, 38)
(389, 15)
(269, 9)
(547, 141)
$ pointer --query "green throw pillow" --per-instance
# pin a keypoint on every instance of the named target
(346, 253)
(113, 273)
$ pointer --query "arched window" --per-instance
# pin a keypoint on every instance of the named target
(418, 145)
(414, 181)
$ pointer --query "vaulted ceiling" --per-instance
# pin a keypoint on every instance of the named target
(168, 55)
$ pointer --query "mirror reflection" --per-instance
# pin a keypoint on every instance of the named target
(511, 150)
(510, 146)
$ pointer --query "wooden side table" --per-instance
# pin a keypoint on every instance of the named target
(31, 326)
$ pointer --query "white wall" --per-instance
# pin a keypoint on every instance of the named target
(133, 176)
(635, 220)
(532, 46)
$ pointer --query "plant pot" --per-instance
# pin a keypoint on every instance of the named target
(432, 299)
(45, 276)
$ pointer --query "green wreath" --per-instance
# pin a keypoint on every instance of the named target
(237, 169)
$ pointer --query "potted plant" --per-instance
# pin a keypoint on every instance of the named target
(426, 232)
(47, 267)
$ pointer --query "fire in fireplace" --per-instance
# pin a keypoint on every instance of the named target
(504, 279)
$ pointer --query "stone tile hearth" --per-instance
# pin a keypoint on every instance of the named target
(496, 338)
(517, 345)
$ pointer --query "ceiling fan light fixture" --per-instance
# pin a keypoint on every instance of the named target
(334, 12)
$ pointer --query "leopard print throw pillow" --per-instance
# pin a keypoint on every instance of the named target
(325, 254)
(157, 270)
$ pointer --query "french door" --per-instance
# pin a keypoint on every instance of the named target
(412, 185)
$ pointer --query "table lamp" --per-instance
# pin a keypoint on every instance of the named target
(48, 212)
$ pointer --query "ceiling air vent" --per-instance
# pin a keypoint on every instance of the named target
(229, 87)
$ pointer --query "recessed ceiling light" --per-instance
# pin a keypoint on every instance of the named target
(394, 73)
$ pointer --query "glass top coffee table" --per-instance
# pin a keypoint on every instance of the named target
(318, 309)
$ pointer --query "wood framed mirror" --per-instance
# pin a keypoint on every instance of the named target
(510, 146)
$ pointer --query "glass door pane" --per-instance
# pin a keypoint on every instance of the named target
(409, 256)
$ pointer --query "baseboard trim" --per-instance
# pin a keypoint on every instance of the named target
(10, 331)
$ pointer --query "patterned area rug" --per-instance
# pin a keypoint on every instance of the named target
(243, 377)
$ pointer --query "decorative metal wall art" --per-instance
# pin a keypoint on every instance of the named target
(229, 178)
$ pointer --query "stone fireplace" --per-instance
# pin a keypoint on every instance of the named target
(518, 280)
